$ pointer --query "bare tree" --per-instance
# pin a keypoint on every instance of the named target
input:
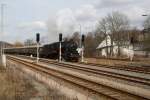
(66, 38)
(18, 44)
(89, 45)
(98, 37)
(147, 23)
(76, 38)
(117, 23)
(114, 24)
(146, 33)
(103, 29)
(29, 42)
(146, 26)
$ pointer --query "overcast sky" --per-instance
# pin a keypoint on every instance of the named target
(24, 18)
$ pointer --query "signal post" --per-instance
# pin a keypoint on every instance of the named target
(82, 45)
(60, 52)
(37, 41)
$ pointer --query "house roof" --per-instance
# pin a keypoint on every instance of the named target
(105, 43)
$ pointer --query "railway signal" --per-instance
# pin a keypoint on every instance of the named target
(60, 37)
(82, 54)
(37, 37)
(60, 40)
(38, 40)
(132, 40)
(83, 38)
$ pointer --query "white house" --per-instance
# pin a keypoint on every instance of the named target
(106, 44)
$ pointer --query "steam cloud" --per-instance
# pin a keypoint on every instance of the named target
(68, 21)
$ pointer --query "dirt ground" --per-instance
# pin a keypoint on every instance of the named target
(16, 85)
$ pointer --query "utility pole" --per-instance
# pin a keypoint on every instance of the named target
(2, 24)
(2, 32)
(2, 18)
(80, 35)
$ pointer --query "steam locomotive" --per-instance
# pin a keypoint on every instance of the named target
(69, 51)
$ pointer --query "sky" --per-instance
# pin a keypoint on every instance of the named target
(24, 18)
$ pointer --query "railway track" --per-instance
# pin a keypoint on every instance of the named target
(140, 69)
(108, 91)
(101, 72)
(132, 68)
(98, 71)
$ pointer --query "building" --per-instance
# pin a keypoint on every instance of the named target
(104, 48)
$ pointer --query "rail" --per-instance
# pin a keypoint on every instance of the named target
(108, 91)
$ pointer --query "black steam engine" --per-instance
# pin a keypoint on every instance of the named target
(69, 51)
